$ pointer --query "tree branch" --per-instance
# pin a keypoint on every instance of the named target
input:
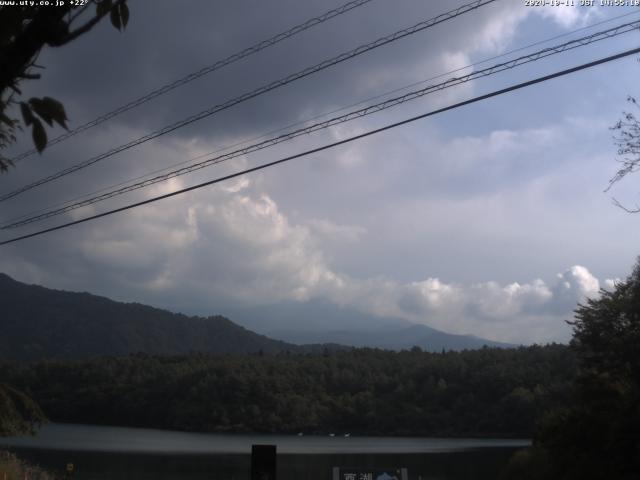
(626, 209)
(89, 25)
(16, 57)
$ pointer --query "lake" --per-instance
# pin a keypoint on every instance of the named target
(101, 453)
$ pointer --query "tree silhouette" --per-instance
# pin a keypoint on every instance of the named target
(627, 139)
(597, 435)
(19, 414)
(24, 31)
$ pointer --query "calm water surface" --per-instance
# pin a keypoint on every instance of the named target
(102, 453)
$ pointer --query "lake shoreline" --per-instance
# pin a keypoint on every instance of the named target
(95, 438)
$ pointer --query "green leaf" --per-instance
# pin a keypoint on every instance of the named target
(115, 18)
(50, 110)
(56, 108)
(27, 115)
(124, 14)
(39, 135)
(38, 106)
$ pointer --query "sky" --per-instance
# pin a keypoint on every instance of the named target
(490, 219)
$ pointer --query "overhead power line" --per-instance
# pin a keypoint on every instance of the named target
(334, 144)
(312, 22)
(306, 121)
(315, 117)
(259, 91)
(522, 60)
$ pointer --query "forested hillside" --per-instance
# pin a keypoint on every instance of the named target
(487, 392)
(39, 323)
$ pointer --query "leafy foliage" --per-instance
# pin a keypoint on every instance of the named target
(487, 392)
(19, 414)
(8, 127)
(120, 16)
(43, 323)
(597, 434)
(627, 140)
(24, 31)
(607, 333)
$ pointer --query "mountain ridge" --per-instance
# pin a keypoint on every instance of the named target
(400, 338)
(42, 323)
(319, 321)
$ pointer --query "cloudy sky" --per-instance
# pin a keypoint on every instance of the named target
(489, 219)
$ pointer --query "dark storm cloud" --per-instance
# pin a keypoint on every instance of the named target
(166, 40)
(362, 228)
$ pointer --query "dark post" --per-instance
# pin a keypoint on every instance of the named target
(263, 462)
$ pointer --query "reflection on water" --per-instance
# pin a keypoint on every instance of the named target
(101, 453)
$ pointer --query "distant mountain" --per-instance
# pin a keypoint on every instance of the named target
(315, 315)
(37, 323)
(391, 338)
(319, 321)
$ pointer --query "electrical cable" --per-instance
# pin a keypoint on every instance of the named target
(259, 91)
(393, 102)
(315, 117)
(312, 22)
(334, 144)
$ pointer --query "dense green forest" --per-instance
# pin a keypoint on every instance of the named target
(486, 392)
